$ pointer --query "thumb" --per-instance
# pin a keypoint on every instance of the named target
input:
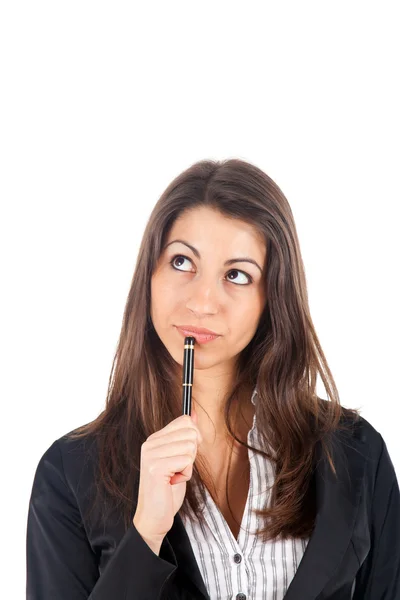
(194, 415)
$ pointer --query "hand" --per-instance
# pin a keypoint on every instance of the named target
(166, 464)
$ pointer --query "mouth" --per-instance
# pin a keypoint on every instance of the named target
(201, 338)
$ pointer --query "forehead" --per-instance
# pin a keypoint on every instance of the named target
(205, 223)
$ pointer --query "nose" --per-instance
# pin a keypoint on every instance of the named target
(203, 295)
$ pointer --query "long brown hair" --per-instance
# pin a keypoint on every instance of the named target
(282, 360)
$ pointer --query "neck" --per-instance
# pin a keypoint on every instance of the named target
(211, 421)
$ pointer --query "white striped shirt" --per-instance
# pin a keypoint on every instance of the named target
(246, 568)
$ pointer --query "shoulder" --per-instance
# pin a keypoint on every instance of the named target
(354, 429)
(67, 446)
(359, 440)
(69, 461)
(359, 428)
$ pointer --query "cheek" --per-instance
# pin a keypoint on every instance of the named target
(163, 296)
(163, 284)
(245, 322)
(167, 296)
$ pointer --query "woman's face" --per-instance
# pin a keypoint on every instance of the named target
(202, 291)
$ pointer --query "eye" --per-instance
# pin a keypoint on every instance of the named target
(249, 278)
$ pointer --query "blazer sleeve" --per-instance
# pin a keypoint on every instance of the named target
(379, 575)
(60, 562)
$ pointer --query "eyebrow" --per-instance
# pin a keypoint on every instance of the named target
(228, 262)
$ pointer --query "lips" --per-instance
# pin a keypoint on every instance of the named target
(200, 330)
(201, 338)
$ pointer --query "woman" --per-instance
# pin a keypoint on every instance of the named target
(266, 490)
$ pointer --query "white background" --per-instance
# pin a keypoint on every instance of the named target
(102, 105)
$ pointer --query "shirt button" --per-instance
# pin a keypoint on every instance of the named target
(240, 596)
(237, 558)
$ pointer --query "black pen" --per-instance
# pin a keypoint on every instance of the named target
(187, 374)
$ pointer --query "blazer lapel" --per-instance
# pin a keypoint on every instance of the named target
(177, 542)
(337, 504)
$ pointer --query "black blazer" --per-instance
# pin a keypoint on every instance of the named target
(353, 552)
